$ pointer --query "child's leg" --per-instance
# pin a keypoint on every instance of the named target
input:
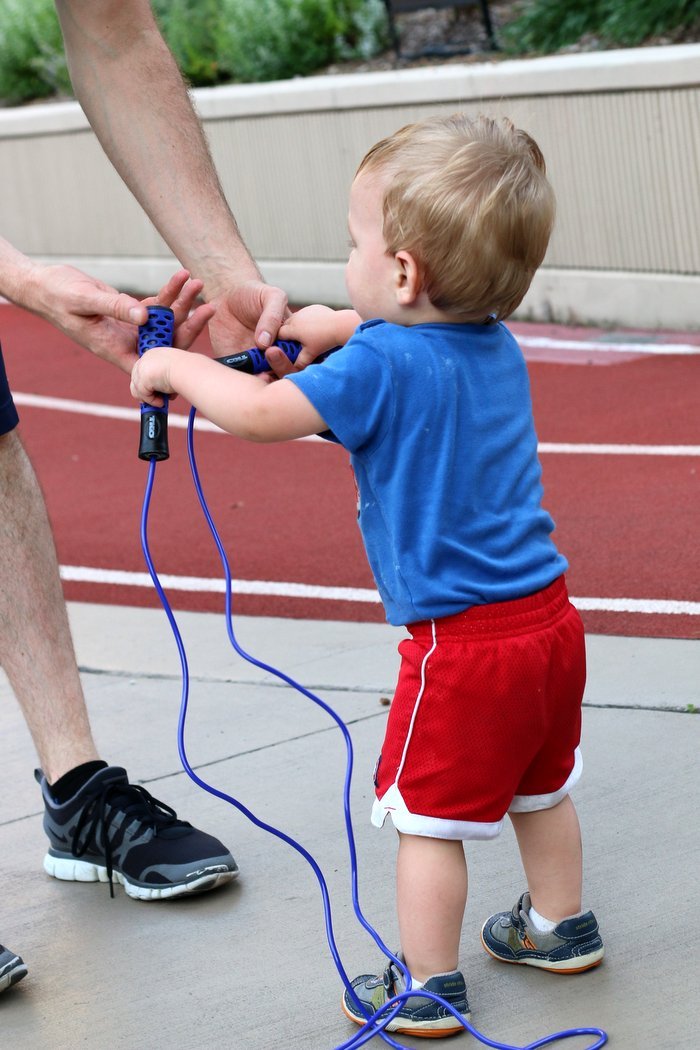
(431, 881)
(550, 848)
(431, 897)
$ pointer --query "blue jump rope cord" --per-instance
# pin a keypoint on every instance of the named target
(377, 1023)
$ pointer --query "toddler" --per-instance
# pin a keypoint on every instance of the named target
(449, 219)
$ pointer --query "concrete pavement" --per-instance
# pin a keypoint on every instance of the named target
(247, 967)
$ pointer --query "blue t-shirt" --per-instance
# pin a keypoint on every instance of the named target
(438, 422)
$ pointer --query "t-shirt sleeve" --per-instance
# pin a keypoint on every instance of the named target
(353, 391)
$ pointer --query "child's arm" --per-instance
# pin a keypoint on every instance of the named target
(246, 406)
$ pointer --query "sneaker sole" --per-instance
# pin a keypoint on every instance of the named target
(420, 1029)
(83, 871)
(566, 966)
(11, 976)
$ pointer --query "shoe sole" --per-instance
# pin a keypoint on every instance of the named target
(566, 966)
(12, 976)
(83, 871)
(419, 1030)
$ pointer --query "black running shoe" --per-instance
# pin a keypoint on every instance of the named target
(112, 830)
(12, 968)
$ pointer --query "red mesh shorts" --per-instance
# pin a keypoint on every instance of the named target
(486, 717)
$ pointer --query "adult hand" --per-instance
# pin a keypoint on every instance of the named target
(247, 315)
(180, 294)
(103, 319)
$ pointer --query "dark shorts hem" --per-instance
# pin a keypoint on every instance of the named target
(8, 412)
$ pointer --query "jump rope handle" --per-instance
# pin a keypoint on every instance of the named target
(157, 331)
(253, 361)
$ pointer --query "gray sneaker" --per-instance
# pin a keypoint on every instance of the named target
(418, 1016)
(114, 831)
(572, 946)
(12, 968)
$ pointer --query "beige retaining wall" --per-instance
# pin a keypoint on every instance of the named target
(620, 131)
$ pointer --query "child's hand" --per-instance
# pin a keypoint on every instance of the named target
(150, 376)
(314, 327)
(317, 328)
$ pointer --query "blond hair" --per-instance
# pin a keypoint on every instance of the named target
(469, 198)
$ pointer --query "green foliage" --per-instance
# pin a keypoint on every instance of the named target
(546, 26)
(32, 64)
(255, 40)
(212, 40)
(191, 28)
(277, 39)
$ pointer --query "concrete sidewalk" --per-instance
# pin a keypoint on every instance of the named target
(248, 967)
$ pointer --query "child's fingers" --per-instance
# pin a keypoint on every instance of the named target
(143, 381)
(144, 395)
(288, 330)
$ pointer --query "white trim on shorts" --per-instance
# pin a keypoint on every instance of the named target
(531, 803)
(392, 804)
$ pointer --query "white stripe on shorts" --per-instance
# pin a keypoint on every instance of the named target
(530, 803)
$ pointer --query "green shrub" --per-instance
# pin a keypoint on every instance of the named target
(546, 26)
(192, 29)
(634, 21)
(277, 39)
(255, 40)
(32, 63)
(212, 40)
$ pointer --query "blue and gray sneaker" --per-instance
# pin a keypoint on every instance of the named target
(112, 830)
(573, 946)
(418, 1015)
(12, 968)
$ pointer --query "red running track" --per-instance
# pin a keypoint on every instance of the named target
(286, 513)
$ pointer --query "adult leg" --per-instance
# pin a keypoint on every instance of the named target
(550, 847)
(36, 649)
(431, 880)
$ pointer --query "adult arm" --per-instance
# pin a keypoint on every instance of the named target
(131, 90)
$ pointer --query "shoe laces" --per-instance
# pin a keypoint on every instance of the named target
(134, 803)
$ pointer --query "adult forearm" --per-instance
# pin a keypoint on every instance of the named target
(134, 97)
(16, 273)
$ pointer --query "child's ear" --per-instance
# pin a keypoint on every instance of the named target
(408, 283)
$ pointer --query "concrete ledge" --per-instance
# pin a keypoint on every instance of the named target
(594, 72)
(575, 297)
(619, 130)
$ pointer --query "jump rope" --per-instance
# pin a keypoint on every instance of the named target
(153, 447)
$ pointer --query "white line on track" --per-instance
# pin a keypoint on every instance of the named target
(619, 450)
(538, 342)
(204, 585)
(132, 415)
(91, 408)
